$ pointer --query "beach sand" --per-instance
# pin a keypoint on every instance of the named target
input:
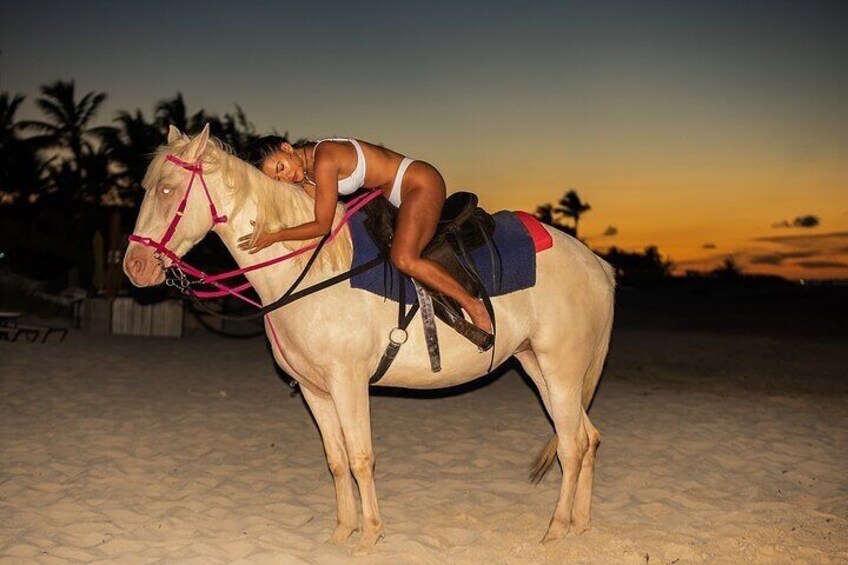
(715, 449)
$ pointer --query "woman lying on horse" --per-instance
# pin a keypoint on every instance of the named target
(330, 167)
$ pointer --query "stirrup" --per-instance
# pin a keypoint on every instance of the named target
(481, 338)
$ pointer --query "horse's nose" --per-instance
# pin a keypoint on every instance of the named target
(133, 267)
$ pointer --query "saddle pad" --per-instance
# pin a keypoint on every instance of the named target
(511, 240)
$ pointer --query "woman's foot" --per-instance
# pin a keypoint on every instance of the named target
(482, 339)
(479, 316)
(481, 331)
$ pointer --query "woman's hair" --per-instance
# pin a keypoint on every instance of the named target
(263, 148)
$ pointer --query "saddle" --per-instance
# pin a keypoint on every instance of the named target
(463, 227)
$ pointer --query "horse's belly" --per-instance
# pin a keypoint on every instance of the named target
(414, 371)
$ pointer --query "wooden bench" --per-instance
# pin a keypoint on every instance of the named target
(14, 332)
(41, 331)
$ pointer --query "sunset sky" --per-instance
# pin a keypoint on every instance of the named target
(705, 128)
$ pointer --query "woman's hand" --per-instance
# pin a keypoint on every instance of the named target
(264, 240)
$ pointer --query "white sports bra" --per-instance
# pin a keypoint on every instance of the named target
(357, 178)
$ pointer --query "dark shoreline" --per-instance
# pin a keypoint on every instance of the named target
(781, 311)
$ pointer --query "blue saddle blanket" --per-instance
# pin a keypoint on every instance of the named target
(511, 241)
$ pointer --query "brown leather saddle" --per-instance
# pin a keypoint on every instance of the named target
(463, 227)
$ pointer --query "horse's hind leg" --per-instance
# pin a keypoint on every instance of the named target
(581, 516)
(325, 416)
(563, 376)
(531, 366)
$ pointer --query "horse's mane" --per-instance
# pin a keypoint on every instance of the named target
(278, 204)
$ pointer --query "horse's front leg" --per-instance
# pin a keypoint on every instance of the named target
(324, 412)
(350, 397)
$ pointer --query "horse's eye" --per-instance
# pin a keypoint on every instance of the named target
(166, 189)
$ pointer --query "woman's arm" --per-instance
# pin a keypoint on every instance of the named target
(326, 172)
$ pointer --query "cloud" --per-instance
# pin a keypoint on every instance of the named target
(808, 240)
(709, 246)
(822, 264)
(778, 257)
(807, 221)
(611, 231)
(775, 259)
(809, 251)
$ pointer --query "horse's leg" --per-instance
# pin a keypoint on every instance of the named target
(352, 406)
(531, 366)
(563, 376)
(581, 516)
(324, 412)
(582, 510)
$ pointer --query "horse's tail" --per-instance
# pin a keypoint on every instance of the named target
(547, 455)
(543, 460)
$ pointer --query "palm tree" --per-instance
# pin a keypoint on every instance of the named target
(22, 171)
(173, 112)
(9, 128)
(234, 130)
(131, 146)
(99, 181)
(545, 214)
(570, 206)
(8, 140)
(68, 120)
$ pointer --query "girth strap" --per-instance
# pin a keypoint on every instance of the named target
(397, 336)
(428, 317)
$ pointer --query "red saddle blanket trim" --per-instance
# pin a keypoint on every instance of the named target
(541, 238)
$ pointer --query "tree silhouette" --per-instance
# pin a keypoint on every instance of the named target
(99, 181)
(22, 171)
(173, 112)
(728, 271)
(9, 128)
(63, 178)
(68, 120)
(130, 146)
(570, 206)
(234, 130)
(639, 268)
(545, 214)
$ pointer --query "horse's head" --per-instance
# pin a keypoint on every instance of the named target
(175, 213)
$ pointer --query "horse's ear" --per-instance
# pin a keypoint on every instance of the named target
(173, 134)
(198, 145)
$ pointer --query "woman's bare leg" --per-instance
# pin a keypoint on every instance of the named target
(418, 217)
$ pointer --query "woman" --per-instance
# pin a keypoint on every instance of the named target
(342, 166)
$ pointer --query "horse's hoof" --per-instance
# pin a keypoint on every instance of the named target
(367, 542)
(555, 531)
(340, 534)
(579, 528)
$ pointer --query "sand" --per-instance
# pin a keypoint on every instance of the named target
(715, 449)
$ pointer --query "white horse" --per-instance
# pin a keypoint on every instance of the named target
(332, 341)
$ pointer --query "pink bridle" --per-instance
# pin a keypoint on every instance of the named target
(159, 247)
(182, 268)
